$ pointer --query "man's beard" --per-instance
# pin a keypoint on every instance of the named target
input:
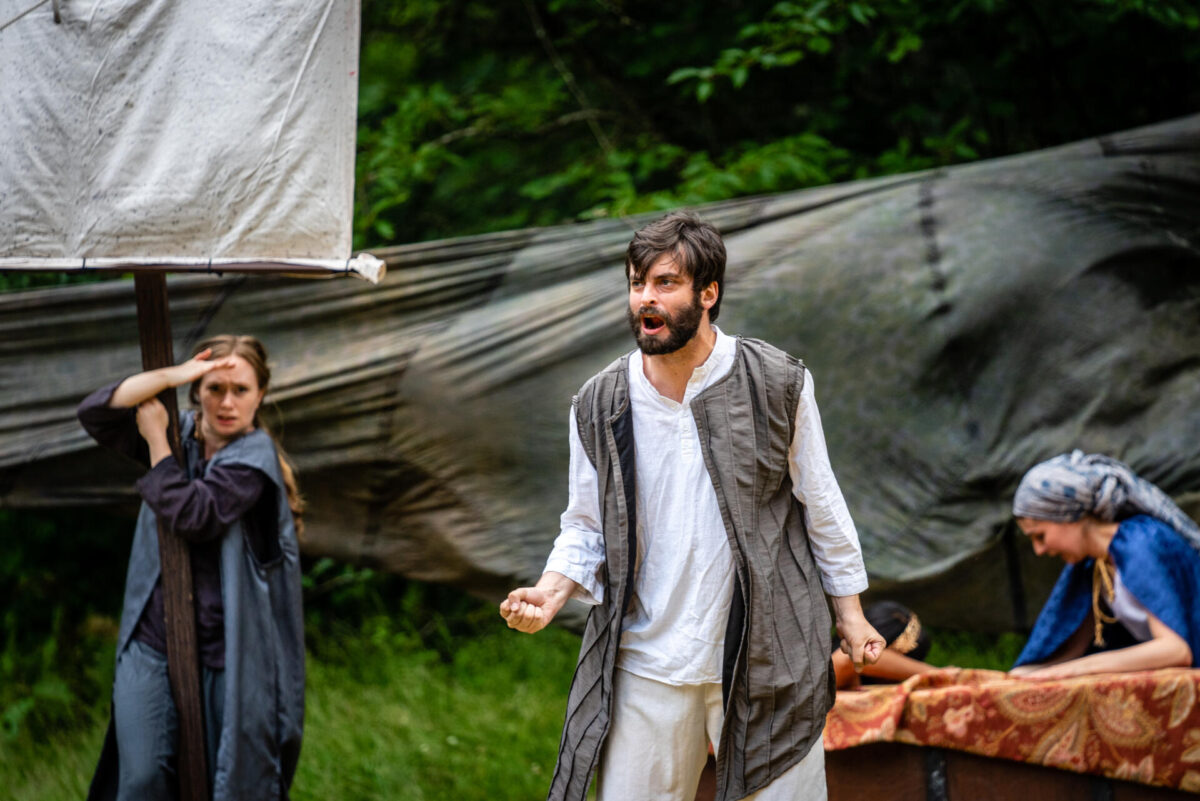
(680, 328)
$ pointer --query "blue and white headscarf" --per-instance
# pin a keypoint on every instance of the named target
(1068, 487)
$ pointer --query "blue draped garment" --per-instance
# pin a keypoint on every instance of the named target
(1158, 566)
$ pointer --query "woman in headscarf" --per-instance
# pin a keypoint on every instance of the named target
(1127, 599)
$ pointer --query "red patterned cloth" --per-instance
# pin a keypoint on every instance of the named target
(1142, 727)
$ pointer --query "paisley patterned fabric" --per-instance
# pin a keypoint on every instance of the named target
(1142, 727)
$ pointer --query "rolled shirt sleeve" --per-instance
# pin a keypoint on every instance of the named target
(831, 531)
(114, 428)
(578, 551)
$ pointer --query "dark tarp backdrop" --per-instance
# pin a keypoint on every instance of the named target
(960, 325)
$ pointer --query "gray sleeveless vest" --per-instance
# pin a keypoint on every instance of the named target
(264, 637)
(777, 683)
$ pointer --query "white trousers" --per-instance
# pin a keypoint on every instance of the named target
(658, 743)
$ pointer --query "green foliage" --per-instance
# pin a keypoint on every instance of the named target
(61, 584)
(972, 649)
(11, 281)
(346, 604)
(894, 29)
(385, 722)
(57, 767)
(478, 117)
(415, 690)
(59, 617)
(788, 32)
(386, 717)
(628, 185)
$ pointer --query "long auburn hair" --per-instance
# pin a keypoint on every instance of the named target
(255, 354)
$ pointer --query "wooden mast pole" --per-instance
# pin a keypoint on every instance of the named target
(183, 663)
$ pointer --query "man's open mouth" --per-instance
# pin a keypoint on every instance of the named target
(652, 323)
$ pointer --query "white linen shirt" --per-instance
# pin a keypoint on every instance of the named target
(684, 576)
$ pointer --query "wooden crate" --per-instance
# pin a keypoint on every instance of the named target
(898, 772)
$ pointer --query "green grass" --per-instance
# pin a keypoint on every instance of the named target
(484, 725)
(59, 767)
(385, 720)
(391, 717)
(968, 649)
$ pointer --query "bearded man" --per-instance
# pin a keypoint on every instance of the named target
(705, 526)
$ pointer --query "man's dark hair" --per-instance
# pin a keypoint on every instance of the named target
(696, 245)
